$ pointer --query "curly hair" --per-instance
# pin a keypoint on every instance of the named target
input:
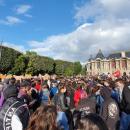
(44, 118)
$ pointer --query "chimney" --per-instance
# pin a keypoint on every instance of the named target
(123, 54)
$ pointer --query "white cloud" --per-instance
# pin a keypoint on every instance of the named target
(20, 48)
(22, 9)
(83, 42)
(109, 31)
(10, 20)
(103, 9)
(28, 15)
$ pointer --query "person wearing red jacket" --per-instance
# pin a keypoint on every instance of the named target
(77, 96)
(38, 85)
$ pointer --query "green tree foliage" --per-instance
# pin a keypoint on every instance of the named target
(64, 67)
(31, 63)
(83, 72)
(77, 68)
(7, 60)
(69, 72)
(20, 65)
(39, 64)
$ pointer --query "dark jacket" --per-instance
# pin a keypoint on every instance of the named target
(87, 105)
(110, 110)
(125, 103)
(13, 106)
(60, 101)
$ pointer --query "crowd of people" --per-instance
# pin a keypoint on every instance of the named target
(76, 103)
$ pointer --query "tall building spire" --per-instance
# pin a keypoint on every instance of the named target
(99, 55)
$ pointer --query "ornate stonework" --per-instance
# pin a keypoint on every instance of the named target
(115, 61)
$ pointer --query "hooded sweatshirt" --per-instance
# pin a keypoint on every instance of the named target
(125, 103)
(110, 110)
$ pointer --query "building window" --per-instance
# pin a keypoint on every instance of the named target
(109, 65)
(113, 64)
(103, 65)
(90, 66)
(124, 64)
(98, 65)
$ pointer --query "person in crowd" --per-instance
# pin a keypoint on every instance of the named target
(79, 94)
(60, 102)
(5, 81)
(1, 95)
(14, 114)
(96, 94)
(125, 77)
(35, 99)
(68, 112)
(60, 99)
(4, 85)
(110, 110)
(62, 120)
(86, 106)
(12, 81)
(53, 89)
(124, 103)
(90, 122)
(38, 85)
(71, 90)
(44, 118)
(45, 94)
(24, 91)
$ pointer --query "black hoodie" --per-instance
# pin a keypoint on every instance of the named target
(110, 110)
(125, 103)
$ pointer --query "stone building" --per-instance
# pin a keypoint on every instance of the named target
(115, 61)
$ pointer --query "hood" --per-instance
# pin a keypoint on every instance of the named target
(10, 91)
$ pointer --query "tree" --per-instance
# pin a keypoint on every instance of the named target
(31, 67)
(68, 72)
(20, 65)
(77, 68)
(15, 62)
(62, 67)
(83, 72)
(8, 57)
(39, 64)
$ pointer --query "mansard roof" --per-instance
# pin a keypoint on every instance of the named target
(99, 55)
(127, 54)
(114, 55)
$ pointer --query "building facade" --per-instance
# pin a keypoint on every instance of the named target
(115, 61)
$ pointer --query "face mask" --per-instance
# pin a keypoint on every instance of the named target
(116, 89)
(53, 85)
(98, 92)
(106, 84)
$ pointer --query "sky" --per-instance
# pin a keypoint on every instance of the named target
(66, 29)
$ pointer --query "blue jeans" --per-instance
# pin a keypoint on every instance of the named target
(124, 121)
